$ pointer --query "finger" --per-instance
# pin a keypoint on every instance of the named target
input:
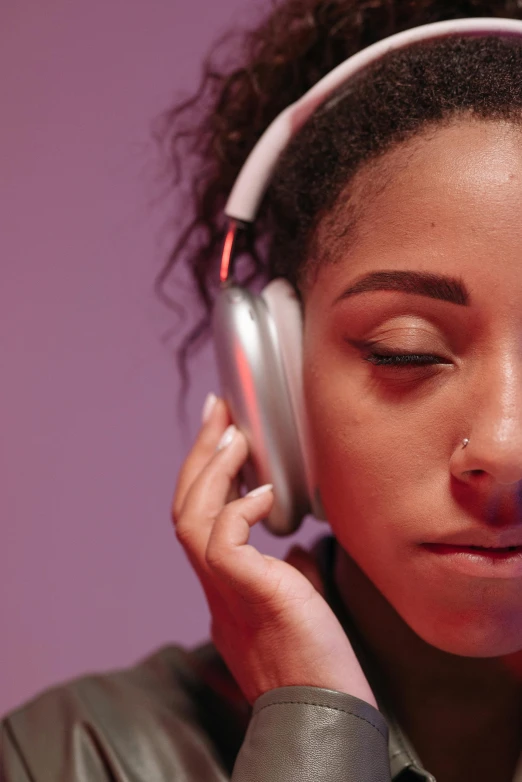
(208, 493)
(201, 452)
(228, 550)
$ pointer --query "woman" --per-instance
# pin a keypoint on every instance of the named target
(395, 214)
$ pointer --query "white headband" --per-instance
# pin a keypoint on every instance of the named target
(255, 175)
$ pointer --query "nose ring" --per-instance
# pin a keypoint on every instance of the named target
(465, 442)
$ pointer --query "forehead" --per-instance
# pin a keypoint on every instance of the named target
(449, 200)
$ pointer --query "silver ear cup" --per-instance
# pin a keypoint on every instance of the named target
(285, 310)
(255, 388)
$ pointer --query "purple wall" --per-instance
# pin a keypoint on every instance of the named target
(91, 575)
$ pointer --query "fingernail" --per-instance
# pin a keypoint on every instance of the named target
(210, 401)
(227, 437)
(260, 490)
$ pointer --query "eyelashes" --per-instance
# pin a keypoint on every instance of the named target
(403, 360)
(384, 356)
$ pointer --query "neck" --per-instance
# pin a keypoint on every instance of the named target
(421, 684)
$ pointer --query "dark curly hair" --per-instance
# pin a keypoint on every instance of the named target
(273, 65)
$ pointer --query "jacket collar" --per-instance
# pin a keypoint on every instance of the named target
(405, 765)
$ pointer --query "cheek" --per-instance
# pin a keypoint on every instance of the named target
(381, 451)
(355, 475)
(361, 462)
(382, 476)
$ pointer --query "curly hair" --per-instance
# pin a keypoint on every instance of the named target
(274, 64)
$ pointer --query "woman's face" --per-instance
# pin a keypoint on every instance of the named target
(391, 469)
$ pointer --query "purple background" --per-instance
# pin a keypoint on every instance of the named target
(91, 576)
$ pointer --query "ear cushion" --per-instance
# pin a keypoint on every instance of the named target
(256, 389)
(285, 310)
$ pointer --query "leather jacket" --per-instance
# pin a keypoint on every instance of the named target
(179, 716)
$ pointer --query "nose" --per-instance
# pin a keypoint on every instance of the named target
(494, 425)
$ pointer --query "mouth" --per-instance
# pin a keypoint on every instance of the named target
(489, 548)
(488, 562)
(446, 548)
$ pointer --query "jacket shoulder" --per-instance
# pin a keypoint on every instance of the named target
(175, 715)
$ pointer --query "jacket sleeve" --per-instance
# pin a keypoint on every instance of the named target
(110, 729)
(305, 734)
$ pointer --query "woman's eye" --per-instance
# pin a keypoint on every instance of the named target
(383, 356)
(403, 359)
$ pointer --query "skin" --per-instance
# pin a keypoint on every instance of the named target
(390, 465)
(388, 441)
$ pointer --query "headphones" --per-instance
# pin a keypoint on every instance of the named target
(258, 338)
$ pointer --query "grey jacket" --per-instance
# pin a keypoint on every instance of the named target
(178, 716)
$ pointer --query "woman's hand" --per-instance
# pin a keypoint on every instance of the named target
(269, 623)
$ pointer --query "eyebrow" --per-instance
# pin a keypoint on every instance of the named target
(436, 286)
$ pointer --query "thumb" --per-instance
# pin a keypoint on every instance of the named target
(304, 562)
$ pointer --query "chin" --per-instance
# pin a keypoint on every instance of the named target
(487, 635)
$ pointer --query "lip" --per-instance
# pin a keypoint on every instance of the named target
(494, 562)
(480, 536)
